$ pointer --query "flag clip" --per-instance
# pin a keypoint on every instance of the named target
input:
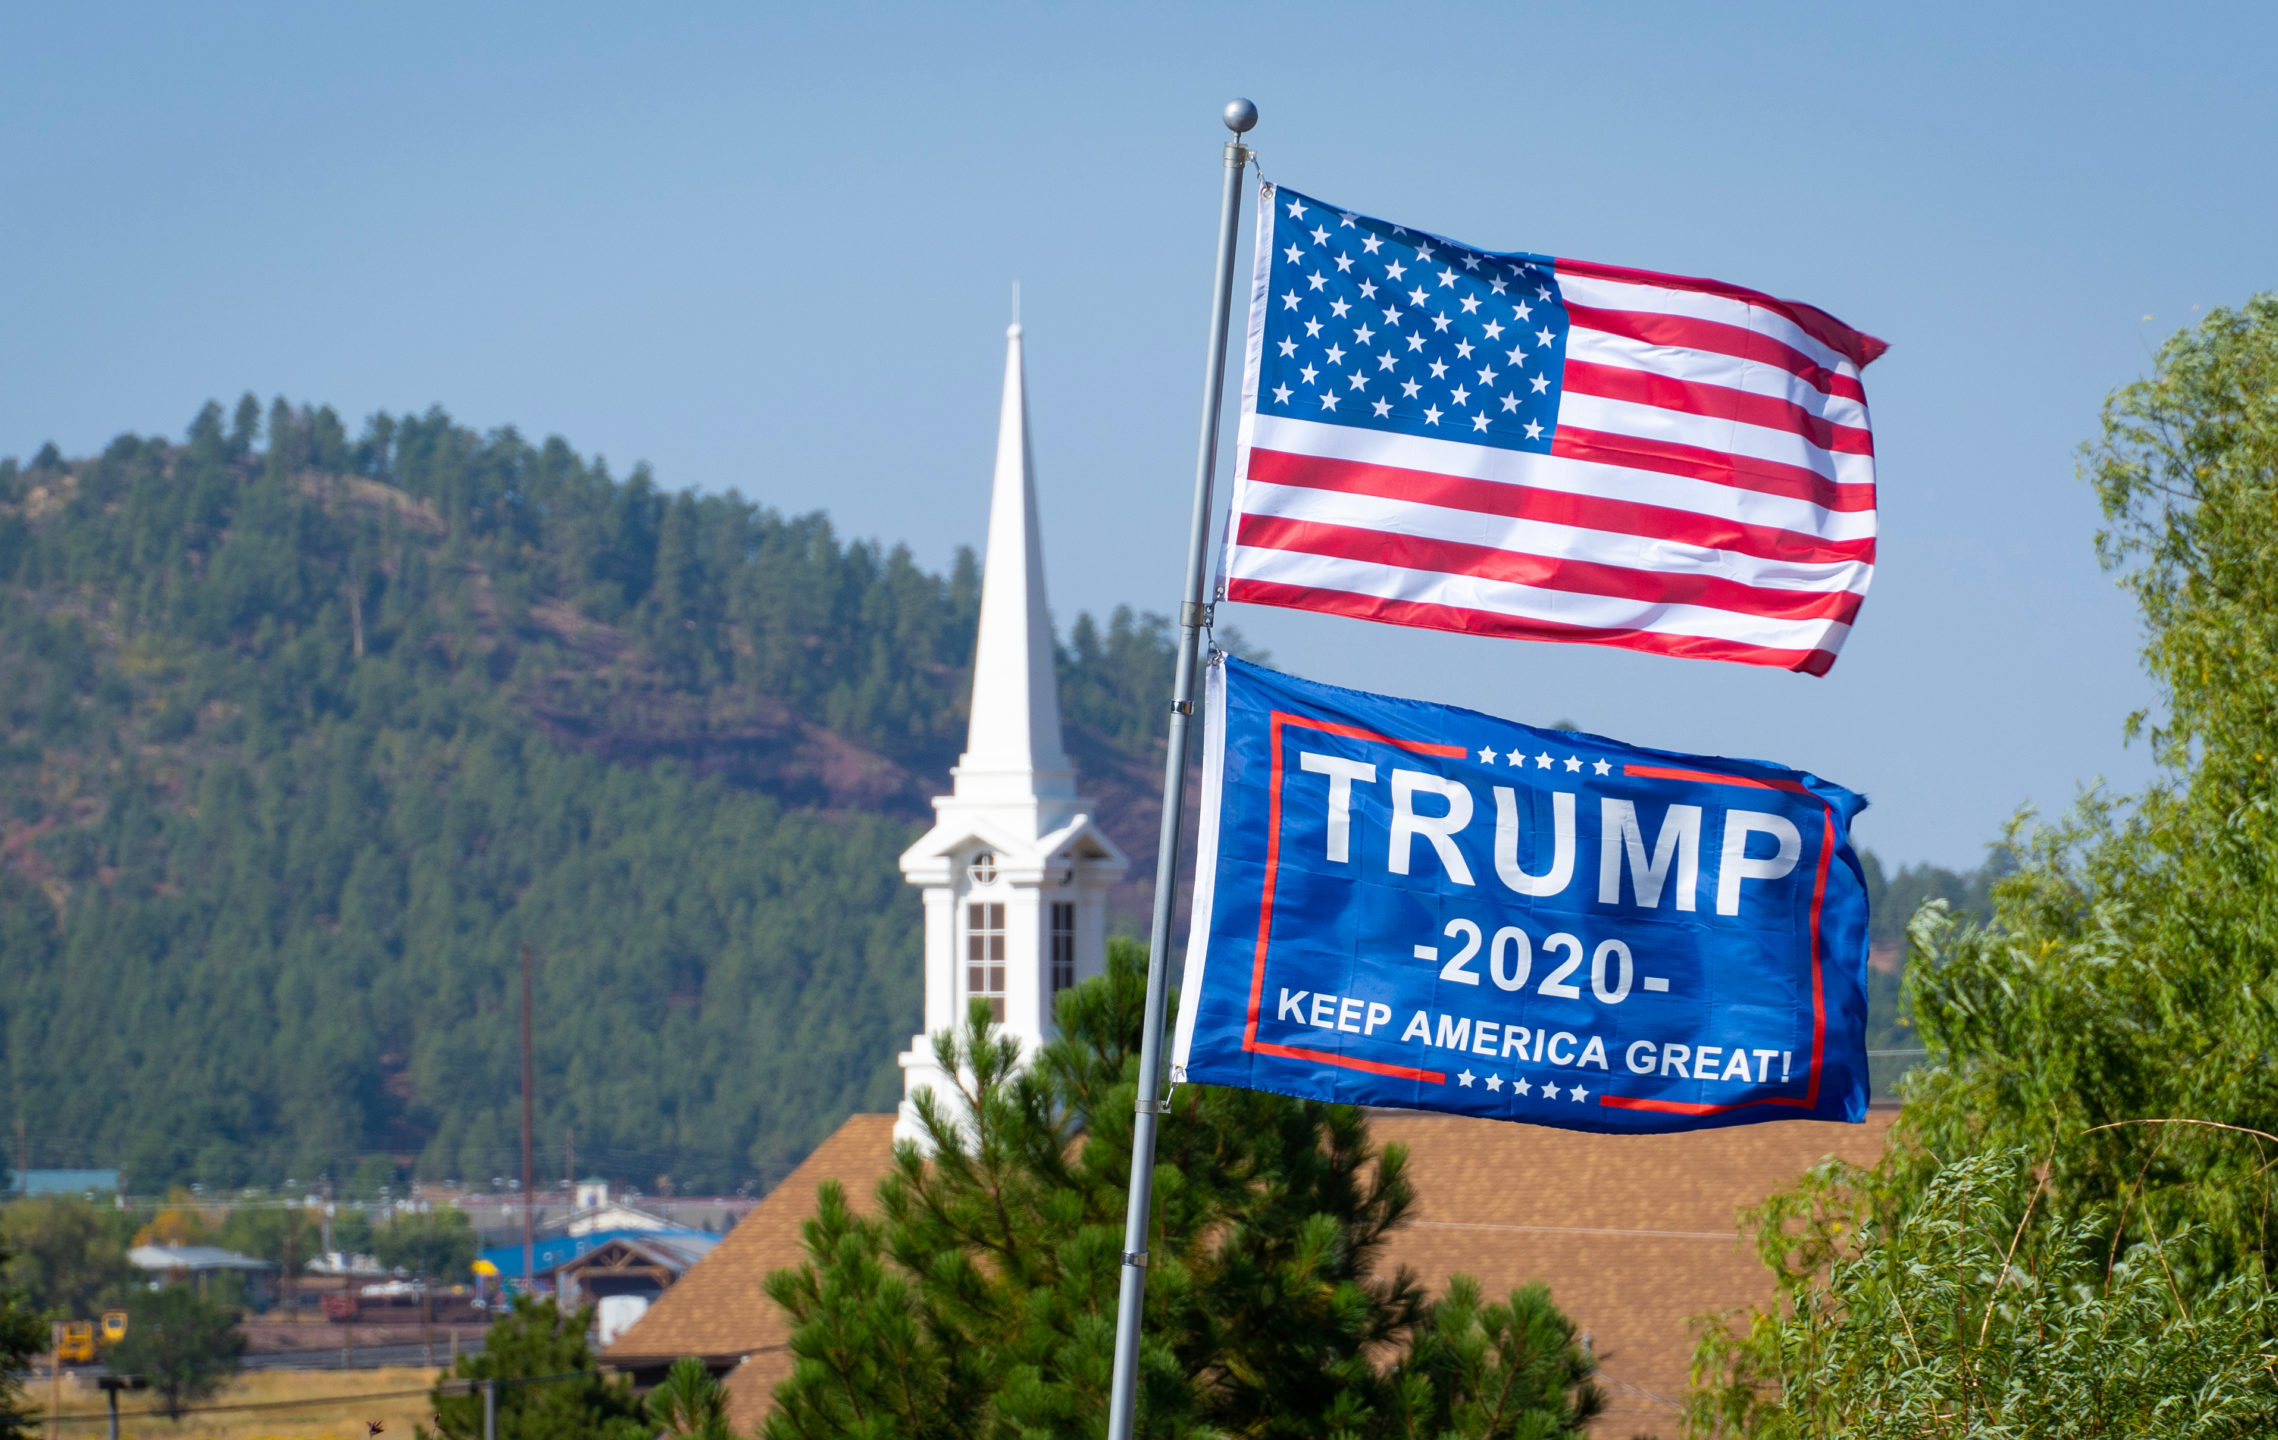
(1182, 707)
(1196, 616)
(1136, 1258)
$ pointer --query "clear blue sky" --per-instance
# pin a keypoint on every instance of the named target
(771, 251)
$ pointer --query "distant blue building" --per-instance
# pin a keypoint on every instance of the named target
(66, 1182)
(674, 1247)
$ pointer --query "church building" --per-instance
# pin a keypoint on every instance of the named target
(1635, 1235)
(1014, 873)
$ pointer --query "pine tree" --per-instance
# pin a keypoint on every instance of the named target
(185, 1345)
(980, 1300)
(549, 1386)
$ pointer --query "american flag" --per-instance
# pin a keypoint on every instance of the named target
(1510, 444)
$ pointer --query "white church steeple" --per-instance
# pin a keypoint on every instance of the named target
(1012, 744)
(1014, 873)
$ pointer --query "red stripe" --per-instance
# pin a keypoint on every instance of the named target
(1553, 507)
(1250, 1039)
(1717, 467)
(1686, 1107)
(1715, 402)
(1265, 896)
(1688, 333)
(1810, 1100)
(1547, 572)
(1350, 1062)
(1707, 777)
(1426, 616)
(1861, 348)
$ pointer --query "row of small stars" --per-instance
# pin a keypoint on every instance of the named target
(1419, 297)
(1424, 250)
(1520, 1087)
(1383, 408)
(1544, 761)
(1464, 350)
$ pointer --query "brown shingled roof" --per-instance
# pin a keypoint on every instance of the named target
(719, 1310)
(1635, 1235)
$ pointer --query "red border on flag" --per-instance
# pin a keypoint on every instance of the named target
(1250, 1039)
(1251, 1043)
(1810, 1100)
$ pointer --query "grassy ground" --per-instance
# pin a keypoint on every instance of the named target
(304, 1405)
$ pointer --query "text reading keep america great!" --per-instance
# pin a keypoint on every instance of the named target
(1400, 903)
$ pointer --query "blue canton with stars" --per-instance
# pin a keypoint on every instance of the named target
(1385, 328)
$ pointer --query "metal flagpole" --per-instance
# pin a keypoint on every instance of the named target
(1239, 116)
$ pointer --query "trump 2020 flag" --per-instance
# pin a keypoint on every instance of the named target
(1399, 903)
(1510, 444)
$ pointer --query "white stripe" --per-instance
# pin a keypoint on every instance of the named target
(1253, 353)
(1552, 472)
(1562, 607)
(1700, 305)
(1708, 367)
(1709, 432)
(1536, 537)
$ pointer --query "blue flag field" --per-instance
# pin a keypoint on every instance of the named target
(1407, 904)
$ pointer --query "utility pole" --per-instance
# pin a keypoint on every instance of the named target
(348, 1293)
(529, 1225)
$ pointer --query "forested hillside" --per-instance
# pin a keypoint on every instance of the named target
(302, 738)
(305, 736)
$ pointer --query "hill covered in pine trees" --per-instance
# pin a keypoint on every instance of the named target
(303, 737)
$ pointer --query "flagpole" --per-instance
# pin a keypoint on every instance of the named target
(1239, 116)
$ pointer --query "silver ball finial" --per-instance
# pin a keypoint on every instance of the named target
(1239, 116)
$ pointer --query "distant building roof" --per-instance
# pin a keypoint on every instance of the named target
(551, 1252)
(610, 1215)
(170, 1259)
(64, 1182)
(720, 1309)
(1634, 1234)
(642, 1264)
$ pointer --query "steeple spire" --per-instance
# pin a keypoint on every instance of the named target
(1012, 745)
(1014, 872)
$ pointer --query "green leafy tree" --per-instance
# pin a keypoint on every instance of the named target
(67, 1254)
(550, 1388)
(980, 1300)
(2113, 1023)
(23, 1334)
(691, 1402)
(436, 1244)
(287, 1236)
(183, 1344)
(1961, 1316)
(352, 1231)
